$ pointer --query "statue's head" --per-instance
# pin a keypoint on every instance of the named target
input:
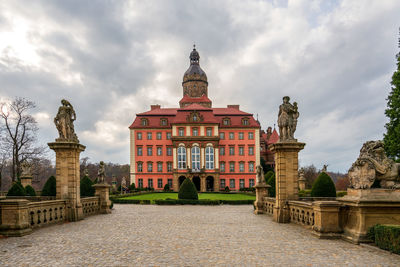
(64, 102)
(101, 162)
(286, 99)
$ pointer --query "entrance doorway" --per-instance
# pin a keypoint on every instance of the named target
(196, 181)
(210, 183)
(180, 180)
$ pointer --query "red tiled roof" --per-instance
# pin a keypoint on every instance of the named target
(160, 111)
(195, 106)
(187, 98)
(274, 137)
(229, 111)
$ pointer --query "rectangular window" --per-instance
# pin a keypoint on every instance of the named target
(139, 151)
(195, 132)
(149, 136)
(181, 132)
(159, 151)
(168, 136)
(222, 151)
(169, 166)
(251, 150)
(149, 166)
(149, 151)
(231, 136)
(241, 183)
(241, 150)
(150, 183)
(140, 167)
(231, 150)
(139, 136)
(231, 183)
(231, 166)
(251, 182)
(251, 166)
(170, 183)
(251, 135)
(159, 183)
(241, 136)
(159, 136)
(209, 132)
(222, 183)
(169, 151)
(140, 183)
(159, 166)
(241, 166)
(222, 166)
(222, 136)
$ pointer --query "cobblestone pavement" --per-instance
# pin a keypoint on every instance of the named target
(144, 235)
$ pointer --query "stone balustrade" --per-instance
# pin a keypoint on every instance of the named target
(301, 212)
(42, 213)
(269, 205)
(90, 206)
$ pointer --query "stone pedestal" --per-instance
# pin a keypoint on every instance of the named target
(26, 181)
(327, 219)
(261, 192)
(14, 220)
(68, 176)
(286, 171)
(302, 183)
(102, 191)
(363, 208)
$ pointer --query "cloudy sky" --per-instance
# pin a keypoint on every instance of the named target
(113, 59)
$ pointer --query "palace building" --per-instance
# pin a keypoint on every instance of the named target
(214, 147)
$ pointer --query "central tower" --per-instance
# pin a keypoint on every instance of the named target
(195, 84)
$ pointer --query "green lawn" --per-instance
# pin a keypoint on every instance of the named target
(211, 196)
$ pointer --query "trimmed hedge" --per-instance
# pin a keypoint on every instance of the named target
(323, 186)
(341, 193)
(305, 193)
(188, 190)
(16, 190)
(271, 182)
(87, 189)
(130, 201)
(227, 190)
(49, 188)
(30, 191)
(166, 188)
(386, 237)
(247, 189)
(132, 187)
(201, 202)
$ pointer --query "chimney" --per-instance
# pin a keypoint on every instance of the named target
(153, 107)
(234, 106)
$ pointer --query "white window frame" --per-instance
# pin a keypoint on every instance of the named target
(209, 158)
(195, 157)
(181, 157)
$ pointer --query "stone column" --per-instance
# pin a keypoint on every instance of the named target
(203, 184)
(102, 191)
(261, 192)
(286, 172)
(68, 176)
(14, 219)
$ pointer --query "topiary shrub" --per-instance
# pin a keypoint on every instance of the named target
(30, 191)
(386, 237)
(49, 188)
(16, 190)
(132, 187)
(166, 188)
(268, 175)
(87, 189)
(323, 186)
(188, 190)
(271, 182)
(227, 189)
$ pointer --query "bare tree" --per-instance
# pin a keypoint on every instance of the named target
(19, 130)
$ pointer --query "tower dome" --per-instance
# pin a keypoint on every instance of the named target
(195, 79)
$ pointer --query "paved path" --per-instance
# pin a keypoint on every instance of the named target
(139, 235)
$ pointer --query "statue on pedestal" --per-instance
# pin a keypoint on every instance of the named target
(287, 120)
(260, 174)
(64, 122)
(101, 174)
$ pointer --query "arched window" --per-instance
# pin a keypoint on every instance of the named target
(209, 158)
(181, 157)
(196, 158)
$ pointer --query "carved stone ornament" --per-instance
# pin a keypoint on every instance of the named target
(373, 164)
(302, 174)
(101, 173)
(26, 169)
(260, 174)
(287, 120)
(195, 117)
(64, 122)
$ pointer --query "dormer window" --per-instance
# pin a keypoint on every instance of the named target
(245, 121)
(226, 121)
(163, 122)
(144, 122)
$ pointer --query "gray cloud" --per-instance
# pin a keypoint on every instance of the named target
(112, 59)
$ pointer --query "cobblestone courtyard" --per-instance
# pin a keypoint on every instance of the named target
(138, 235)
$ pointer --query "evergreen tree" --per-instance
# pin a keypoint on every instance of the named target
(323, 186)
(188, 190)
(87, 189)
(16, 190)
(30, 191)
(392, 136)
(49, 188)
(268, 175)
(271, 182)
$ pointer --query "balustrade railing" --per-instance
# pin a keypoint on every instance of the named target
(301, 213)
(90, 205)
(46, 212)
(269, 205)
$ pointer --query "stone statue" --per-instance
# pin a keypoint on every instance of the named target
(86, 172)
(325, 168)
(123, 182)
(26, 169)
(287, 120)
(260, 174)
(373, 164)
(302, 174)
(64, 122)
(101, 174)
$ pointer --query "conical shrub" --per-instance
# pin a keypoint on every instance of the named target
(188, 190)
(87, 189)
(268, 175)
(271, 182)
(323, 186)
(30, 191)
(16, 190)
(49, 188)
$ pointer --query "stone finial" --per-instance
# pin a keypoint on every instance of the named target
(101, 173)
(287, 120)
(26, 169)
(64, 122)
